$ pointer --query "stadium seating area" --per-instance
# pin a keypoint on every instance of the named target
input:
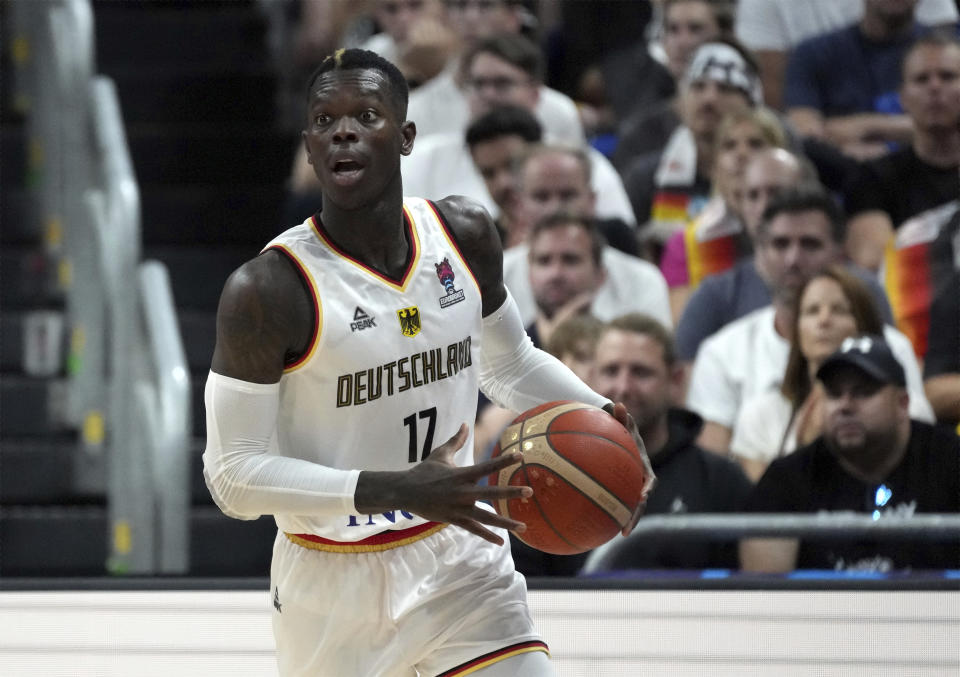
(196, 90)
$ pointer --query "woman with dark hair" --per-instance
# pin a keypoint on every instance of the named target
(831, 306)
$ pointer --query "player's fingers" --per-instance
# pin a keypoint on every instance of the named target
(496, 520)
(492, 465)
(491, 493)
(634, 518)
(620, 413)
(451, 446)
(477, 529)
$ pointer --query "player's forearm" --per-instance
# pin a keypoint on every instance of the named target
(255, 484)
(517, 376)
(244, 480)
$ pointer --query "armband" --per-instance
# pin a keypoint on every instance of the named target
(244, 479)
(516, 375)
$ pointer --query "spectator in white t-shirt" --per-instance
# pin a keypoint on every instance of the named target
(440, 106)
(800, 235)
(499, 70)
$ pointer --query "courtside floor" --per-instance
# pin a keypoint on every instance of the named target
(710, 623)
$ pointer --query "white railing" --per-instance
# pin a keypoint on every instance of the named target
(170, 417)
(823, 525)
(128, 384)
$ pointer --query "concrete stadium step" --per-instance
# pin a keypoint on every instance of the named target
(183, 96)
(199, 494)
(222, 34)
(65, 540)
(201, 214)
(221, 546)
(198, 274)
(207, 154)
(42, 541)
(13, 159)
(17, 228)
(199, 409)
(32, 406)
(185, 214)
(11, 341)
(14, 325)
(27, 279)
(198, 328)
(39, 471)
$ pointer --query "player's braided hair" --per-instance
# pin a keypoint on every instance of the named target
(362, 59)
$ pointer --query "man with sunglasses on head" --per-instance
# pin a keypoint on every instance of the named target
(871, 459)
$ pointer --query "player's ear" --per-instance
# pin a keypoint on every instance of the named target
(408, 130)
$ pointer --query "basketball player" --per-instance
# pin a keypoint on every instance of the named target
(344, 350)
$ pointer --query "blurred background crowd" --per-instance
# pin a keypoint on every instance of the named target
(700, 202)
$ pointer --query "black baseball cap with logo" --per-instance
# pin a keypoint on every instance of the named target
(869, 353)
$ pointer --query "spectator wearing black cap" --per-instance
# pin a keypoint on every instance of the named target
(871, 458)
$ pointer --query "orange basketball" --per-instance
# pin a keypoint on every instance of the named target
(585, 470)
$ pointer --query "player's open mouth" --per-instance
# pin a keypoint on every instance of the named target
(347, 171)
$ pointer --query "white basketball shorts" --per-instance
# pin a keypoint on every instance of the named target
(446, 604)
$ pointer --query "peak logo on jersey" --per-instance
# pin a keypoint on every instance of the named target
(445, 273)
(361, 320)
(409, 321)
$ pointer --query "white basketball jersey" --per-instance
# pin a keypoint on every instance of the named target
(392, 369)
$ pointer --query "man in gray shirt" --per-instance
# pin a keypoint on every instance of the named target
(722, 298)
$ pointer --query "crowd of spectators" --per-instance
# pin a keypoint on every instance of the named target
(778, 181)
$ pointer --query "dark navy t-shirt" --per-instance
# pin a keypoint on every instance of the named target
(843, 72)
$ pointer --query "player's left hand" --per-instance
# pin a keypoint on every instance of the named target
(619, 412)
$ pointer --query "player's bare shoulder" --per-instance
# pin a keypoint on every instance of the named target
(477, 237)
(264, 316)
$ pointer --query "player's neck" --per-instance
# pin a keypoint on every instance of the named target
(375, 235)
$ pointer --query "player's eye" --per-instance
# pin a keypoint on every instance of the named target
(321, 119)
(368, 116)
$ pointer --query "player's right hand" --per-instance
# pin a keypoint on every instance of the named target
(440, 491)
(619, 412)
(444, 492)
